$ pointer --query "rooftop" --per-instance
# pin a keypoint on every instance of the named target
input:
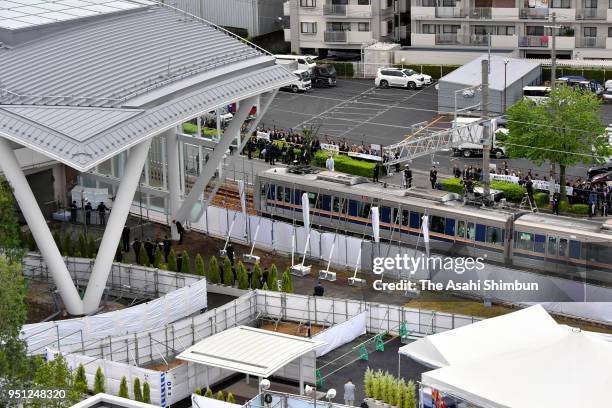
(84, 93)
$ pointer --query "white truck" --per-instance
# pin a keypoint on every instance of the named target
(468, 149)
(303, 81)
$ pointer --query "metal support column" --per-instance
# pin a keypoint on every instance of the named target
(174, 178)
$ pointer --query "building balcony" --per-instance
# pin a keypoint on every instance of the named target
(422, 40)
(590, 42)
(450, 12)
(534, 41)
(347, 10)
(503, 13)
(287, 8)
(422, 13)
(533, 13)
(564, 14)
(474, 40)
(459, 39)
(347, 37)
(480, 13)
(592, 14)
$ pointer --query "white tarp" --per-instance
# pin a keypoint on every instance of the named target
(341, 334)
(375, 224)
(198, 401)
(571, 371)
(511, 332)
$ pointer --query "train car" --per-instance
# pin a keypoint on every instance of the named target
(568, 247)
(343, 202)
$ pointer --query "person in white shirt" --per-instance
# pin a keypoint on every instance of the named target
(349, 393)
(329, 163)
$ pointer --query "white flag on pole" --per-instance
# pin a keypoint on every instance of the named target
(375, 224)
(242, 193)
(306, 212)
(425, 228)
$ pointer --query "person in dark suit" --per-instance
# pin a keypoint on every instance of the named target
(180, 230)
(433, 176)
(125, 238)
(102, 212)
(230, 252)
(167, 247)
(555, 203)
(319, 290)
(376, 172)
(149, 249)
(88, 210)
(73, 212)
(136, 245)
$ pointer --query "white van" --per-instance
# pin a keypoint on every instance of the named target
(303, 83)
(536, 93)
(304, 62)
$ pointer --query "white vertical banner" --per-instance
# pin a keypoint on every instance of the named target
(375, 224)
(425, 229)
(306, 212)
(242, 193)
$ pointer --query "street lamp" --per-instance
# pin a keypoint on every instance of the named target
(506, 61)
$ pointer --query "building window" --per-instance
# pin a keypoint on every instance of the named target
(560, 3)
(535, 30)
(505, 30)
(389, 27)
(590, 4)
(483, 30)
(430, 28)
(363, 2)
(308, 28)
(338, 26)
(432, 3)
(610, 32)
(449, 3)
(610, 4)
(450, 29)
(590, 31)
(363, 26)
(308, 3)
(389, 3)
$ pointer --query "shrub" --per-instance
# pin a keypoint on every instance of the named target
(137, 390)
(287, 284)
(92, 248)
(82, 245)
(512, 191)
(273, 278)
(265, 286)
(158, 258)
(146, 393)
(123, 388)
(198, 391)
(98, 382)
(31, 242)
(345, 164)
(541, 199)
(256, 278)
(453, 185)
(243, 278)
(190, 128)
(208, 393)
(410, 395)
(68, 248)
(581, 209)
(214, 275)
(230, 398)
(199, 265)
(343, 69)
(172, 265)
(186, 263)
(79, 385)
(228, 274)
(368, 385)
(58, 242)
(377, 389)
(144, 257)
(220, 395)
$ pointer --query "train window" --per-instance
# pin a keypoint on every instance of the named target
(574, 249)
(264, 187)
(385, 214)
(563, 245)
(471, 231)
(525, 241)
(297, 196)
(326, 203)
(538, 243)
(461, 228)
(600, 253)
(353, 208)
(415, 219)
(552, 246)
(449, 229)
(436, 224)
(405, 217)
(279, 192)
(494, 235)
(481, 233)
(312, 199)
(339, 205)
(271, 191)
(287, 194)
(365, 210)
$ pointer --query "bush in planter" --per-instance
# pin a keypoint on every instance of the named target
(453, 185)
(68, 249)
(256, 278)
(230, 398)
(400, 391)
(198, 391)
(265, 286)
(243, 277)
(144, 257)
(220, 396)
(186, 263)
(98, 382)
(158, 257)
(58, 241)
(228, 275)
(91, 247)
(172, 264)
(190, 128)
(146, 393)
(512, 191)
(123, 388)
(388, 391)
(368, 385)
(541, 199)
(377, 386)
(410, 395)
(214, 275)
(199, 265)
(287, 283)
(273, 278)
(137, 390)
(82, 245)
(208, 393)
(392, 391)
(79, 384)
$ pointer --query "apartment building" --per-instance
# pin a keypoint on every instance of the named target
(316, 26)
(521, 28)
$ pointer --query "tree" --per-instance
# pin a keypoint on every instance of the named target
(14, 366)
(158, 258)
(256, 278)
(68, 247)
(220, 395)
(368, 386)
(137, 390)
(410, 395)
(53, 374)
(287, 283)
(79, 385)
(144, 257)
(92, 247)
(273, 278)
(10, 232)
(265, 286)
(186, 263)
(82, 245)
(199, 265)
(123, 388)
(214, 275)
(230, 398)
(99, 382)
(198, 391)
(228, 274)
(564, 130)
(172, 265)
(146, 393)
(208, 393)
(243, 277)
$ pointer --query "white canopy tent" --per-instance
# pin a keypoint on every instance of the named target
(571, 371)
(512, 332)
(251, 351)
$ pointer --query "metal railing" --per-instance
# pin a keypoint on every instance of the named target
(534, 41)
(442, 39)
(334, 9)
(449, 12)
(590, 42)
(335, 36)
(474, 39)
(480, 12)
(592, 14)
(535, 13)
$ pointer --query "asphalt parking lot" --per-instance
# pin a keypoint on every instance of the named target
(355, 110)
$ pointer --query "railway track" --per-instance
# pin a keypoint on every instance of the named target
(228, 196)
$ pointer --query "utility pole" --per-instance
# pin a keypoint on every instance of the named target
(553, 54)
(486, 132)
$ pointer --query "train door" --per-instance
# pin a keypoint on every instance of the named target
(557, 247)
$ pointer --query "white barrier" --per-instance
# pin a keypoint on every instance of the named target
(198, 401)
(341, 334)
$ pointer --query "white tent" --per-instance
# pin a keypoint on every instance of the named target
(507, 333)
(572, 371)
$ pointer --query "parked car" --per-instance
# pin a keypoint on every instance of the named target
(607, 95)
(323, 76)
(303, 83)
(427, 79)
(386, 77)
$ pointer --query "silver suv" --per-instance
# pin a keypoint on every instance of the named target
(386, 77)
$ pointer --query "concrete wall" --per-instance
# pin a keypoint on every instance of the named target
(444, 56)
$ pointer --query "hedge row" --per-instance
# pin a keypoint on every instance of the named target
(600, 75)
(343, 69)
(542, 201)
(345, 164)
(512, 192)
(435, 71)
